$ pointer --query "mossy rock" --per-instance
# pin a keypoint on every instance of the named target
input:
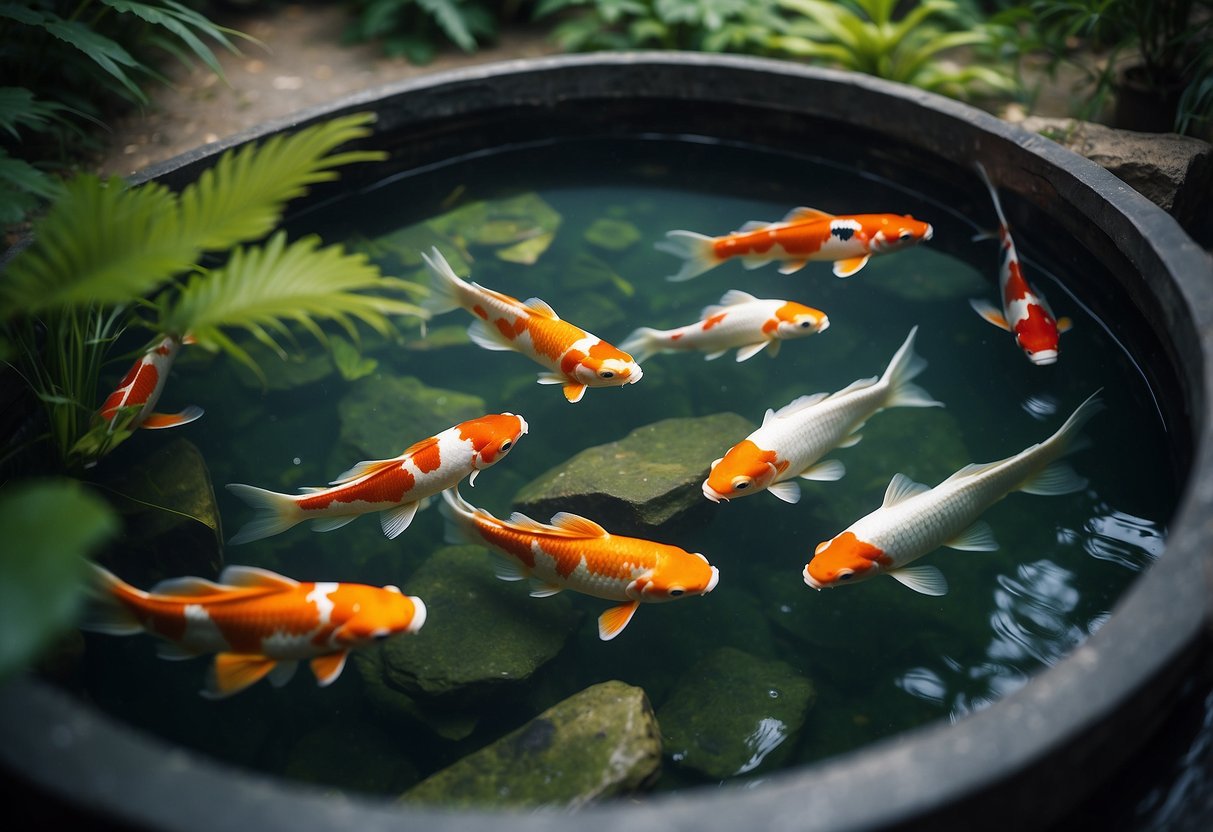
(652, 478)
(383, 414)
(482, 640)
(599, 743)
(734, 713)
(926, 275)
(351, 755)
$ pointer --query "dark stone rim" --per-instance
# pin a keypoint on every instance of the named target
(1016, 763)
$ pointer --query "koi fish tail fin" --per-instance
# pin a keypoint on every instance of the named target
(642, 344)
(697, 252)
(445, 285)
(275, 513)
(1068, 434)
(104, 611)
(457, 514)
(981, 171)
(905, 365)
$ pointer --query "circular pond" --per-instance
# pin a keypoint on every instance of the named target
(1048, 661)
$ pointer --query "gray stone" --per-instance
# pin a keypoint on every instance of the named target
(383, 414)
(651, 478)
(734, 713)
(599, 743)
(1172, 171)
(483, 639)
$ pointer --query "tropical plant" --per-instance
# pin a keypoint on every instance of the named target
(867, 36)
(705, 25)
(69, 64)
(415, 28)
(108, 257)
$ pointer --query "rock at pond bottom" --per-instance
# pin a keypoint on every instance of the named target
(483, 638)
(733, 714)
(651, 478)
(599, 743)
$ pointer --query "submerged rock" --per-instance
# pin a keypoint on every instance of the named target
(598, 743)
(383, 414)
(734, 713)
(651, 478)
(170, 519)
(483, 639)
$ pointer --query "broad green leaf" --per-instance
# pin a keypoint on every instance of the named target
(350, 361)
(49, 529)
(450, 18)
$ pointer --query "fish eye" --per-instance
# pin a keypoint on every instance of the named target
(805, 324)
(845, 576)
(606, 374)
(741, 484)
(382, 636)
(674, 593)
(506, 445)
(905, 235)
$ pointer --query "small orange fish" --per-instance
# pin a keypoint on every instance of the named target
(142, 386)
(804, 235)
(258, 623)
(396, 487)
(578, 554)
(575, 358)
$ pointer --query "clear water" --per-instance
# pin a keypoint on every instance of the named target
(883, 659)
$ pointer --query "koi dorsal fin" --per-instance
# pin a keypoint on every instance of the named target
(733, 297)
(805, 214)
(190, 587)
(523, 523)
(902, 488)
(577, 526)
(253, 576)
(371, 466)
(541, 307)
(795, 406)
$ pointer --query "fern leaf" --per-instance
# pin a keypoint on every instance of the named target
(186, 25)
(102, 243)
(241, 198)
(450, 18)
(263, 289)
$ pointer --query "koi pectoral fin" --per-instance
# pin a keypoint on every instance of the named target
(988, 311)
(612, 622)
(328, 668)
(574, 391)
(233, 672)
(159, 421)
(1064, 324)
(848, 267)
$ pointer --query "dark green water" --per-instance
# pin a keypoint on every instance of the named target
(882, 658)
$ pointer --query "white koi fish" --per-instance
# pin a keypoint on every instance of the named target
(1024, 313)
(578, 554)
(916, 519)
(792, 440)
(740, 320)
(575, 359)
(396, 487)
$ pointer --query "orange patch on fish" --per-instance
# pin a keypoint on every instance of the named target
(387, 486)
(713, 320)
(480, 312)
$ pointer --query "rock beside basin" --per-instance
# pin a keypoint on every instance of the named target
(598, 743)
(483, 639)
(734, 713)
(651, 478)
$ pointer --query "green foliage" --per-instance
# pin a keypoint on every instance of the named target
(49, 528)
(107, 257)
(706, 25)
(865, 36)
(416, 28)
(73, 62)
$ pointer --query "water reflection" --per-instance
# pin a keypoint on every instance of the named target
(1121, 538)
(1040, 407)
(768, 735)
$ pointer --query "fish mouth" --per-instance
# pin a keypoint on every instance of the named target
(1043, 358)
(929, 234)
(636, 374)
(419, 613)
(811, 581)
(712, 583)
(713, 495)
(824, 325)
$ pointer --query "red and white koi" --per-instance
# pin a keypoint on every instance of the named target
(804, 235)
(1024, 313)
(578, 554)
(916, 519)
(575, 359)
(141, 389)
(740, 320)
(257, 622)
(792, 440)
(395, 487)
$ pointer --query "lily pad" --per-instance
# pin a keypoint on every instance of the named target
(612, 234)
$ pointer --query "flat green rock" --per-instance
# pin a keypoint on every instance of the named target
(599, 743)
(734, 713)
(651, 478)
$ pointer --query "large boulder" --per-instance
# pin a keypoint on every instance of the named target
(599, 743)
(482, 640)
(734, 713)
(652, 478)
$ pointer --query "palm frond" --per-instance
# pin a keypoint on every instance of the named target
(240, 199)
(261, 290)
(186, 24)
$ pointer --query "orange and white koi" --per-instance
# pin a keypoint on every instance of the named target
(257, 622)
(740, 320)
(142, 386)
(916, 519)
(396, 487)
(1024, 313)
(578, 554)
(804, 235)
(792, 440)
(575, 359)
